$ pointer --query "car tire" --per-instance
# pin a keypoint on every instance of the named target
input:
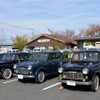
(7, 73)
(95, 83)
(40, 77)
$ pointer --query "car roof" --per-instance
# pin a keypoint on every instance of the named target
(87, 51)
(18, 53)
(47, 52)
(2, 53)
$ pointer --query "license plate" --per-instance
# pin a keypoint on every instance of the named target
(71, 83)
(20, 76)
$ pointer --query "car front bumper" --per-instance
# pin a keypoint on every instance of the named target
(19, 76)
(77, 82)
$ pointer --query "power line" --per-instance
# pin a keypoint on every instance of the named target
(6, 29)
(10, 25)
(15, 26)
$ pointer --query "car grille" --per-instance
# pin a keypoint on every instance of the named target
(73, 75)
(22, 71)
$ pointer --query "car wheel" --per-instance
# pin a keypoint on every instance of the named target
(40, 77)
(7, 73)
(95, 83)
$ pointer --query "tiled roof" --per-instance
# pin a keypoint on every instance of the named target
(57, 38)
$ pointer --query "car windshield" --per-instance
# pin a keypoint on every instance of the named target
(7, 57)
(39, 56)
(1, 55)
(85, 56)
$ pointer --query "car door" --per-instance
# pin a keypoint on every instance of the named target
(13, 59)
(54, 62)
(51, 63)
(58, 60)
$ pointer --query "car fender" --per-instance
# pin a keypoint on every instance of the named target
(3, 69)
(39, 70)
(95, 73)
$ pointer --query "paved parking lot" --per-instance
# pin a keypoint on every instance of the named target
(14, 90)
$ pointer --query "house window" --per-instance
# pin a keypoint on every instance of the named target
(50, 48)
(44, 40)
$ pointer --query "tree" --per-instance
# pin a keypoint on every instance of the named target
(66, 36)
(70, 34)
(19, 42)
(93, 30)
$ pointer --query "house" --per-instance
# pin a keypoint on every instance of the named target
(45, 41)
(82, 40)
(4, 48)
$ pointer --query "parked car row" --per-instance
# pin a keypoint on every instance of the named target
(84, 68)
(36, 65)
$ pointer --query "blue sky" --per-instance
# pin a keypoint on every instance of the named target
(39, 15)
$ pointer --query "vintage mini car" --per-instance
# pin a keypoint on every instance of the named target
(8, 60)
(40, 65)
(84, 69)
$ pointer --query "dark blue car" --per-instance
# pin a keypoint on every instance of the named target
(40, 65)
(8, 60)
(84, 69)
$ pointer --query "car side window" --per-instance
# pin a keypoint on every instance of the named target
(26, 56)
(93, 56)
(23, 56)
(15, 57)
(58, 56)
(20, 57)
(52, 56)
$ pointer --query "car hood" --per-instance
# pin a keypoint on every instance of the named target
(27, 63)
(76, 66)
(4, 61)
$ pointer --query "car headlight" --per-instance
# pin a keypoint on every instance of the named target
(29, 67)
(15, 66)
(60, 70)
(85, 71)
